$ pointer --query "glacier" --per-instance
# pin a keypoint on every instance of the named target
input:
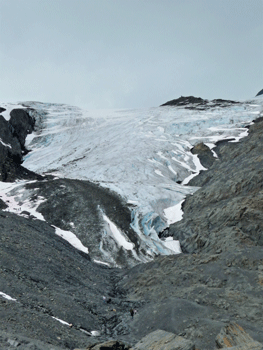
(144, 155)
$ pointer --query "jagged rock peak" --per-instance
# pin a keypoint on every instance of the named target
(185, 100)
(191, 102)
(260, 93)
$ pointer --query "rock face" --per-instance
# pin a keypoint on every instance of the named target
(161, 340)
(204, 154)
(234, 337)
(186, 100)
(21, 124)
(260, 93)
(219, 278)
(109, 345)
(12, 146)
(230, 201)
(55, 292)
(79, 206)
(191, 102)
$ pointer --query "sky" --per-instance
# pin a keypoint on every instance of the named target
(103, 54)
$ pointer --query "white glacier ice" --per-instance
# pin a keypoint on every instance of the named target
(143, 155)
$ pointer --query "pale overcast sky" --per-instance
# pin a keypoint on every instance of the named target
(129, 53)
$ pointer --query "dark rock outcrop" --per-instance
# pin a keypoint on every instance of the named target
(161, 340)
(78, 206)
(191, 102)
(185, 101)
(109, 345)
(195, 295)
(12, 146)
(2, 109)
(229, 202)
(233, 336)
(260, 93)
(21, 124)
(204, 153)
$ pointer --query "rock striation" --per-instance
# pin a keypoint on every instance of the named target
(161, 340)
(234, 337)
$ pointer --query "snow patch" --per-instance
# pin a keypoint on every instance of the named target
(5, 144)
(174, 213)
(71, 238)
(61, 321)
(117, 234)
(7, 296)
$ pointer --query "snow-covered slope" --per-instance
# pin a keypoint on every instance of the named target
(143, 155)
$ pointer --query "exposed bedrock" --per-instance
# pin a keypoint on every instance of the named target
(195, 295)
(12, 145)
(204, 153)
(260, 93)
(227, 211)
(81, 207)
(51, 282)
(198, 103)
(21, 124)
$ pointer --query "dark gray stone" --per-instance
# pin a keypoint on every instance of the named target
(204, 153)
(161, 340)
(260, 93)
(22, 124)
(233, 336)
(12, 146)
(230, 200)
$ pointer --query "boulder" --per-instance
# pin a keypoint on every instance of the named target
(162, 340)
(108, 345)
(204, 153)
(233, 336)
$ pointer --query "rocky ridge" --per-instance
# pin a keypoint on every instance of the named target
(59, 292)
